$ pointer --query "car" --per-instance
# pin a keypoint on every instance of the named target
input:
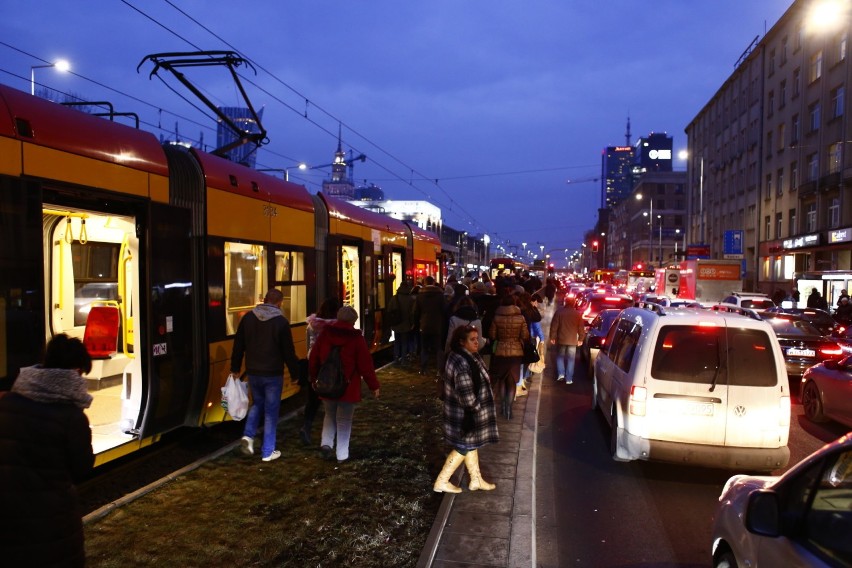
(687, 385)
(89, 293)
(821, 319)
(843, 336)
(595, 337)
(751, 300)
(591, 305)
(801, 518)
(802, 344)
(827, 392)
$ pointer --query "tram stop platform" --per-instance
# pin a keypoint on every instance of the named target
(493, 528)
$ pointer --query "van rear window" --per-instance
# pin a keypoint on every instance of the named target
(704, 355)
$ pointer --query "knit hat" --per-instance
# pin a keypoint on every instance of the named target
(347, 314)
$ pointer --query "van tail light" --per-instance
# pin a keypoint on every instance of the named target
(784, 409)
(638, 396)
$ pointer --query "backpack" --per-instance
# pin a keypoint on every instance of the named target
(330, 381)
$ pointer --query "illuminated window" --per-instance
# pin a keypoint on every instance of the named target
(792, 222)
(834, 158)
(815, 67)
(290, 279)
(245, 281)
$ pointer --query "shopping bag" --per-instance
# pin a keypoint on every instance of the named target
(539, 365)
(235, 397)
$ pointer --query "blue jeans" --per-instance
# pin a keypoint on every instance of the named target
(401, 345)
(265, 401)
(338, 423)
(565, 356)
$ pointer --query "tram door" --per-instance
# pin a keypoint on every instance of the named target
(91, 274)
(345, 279)
(172, 326)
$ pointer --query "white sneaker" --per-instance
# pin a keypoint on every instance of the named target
(569, 382)
(273, 456)
(247, 446)
(560, 378)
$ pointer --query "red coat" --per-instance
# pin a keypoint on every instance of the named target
(354, 356)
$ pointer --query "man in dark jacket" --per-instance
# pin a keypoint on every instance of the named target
(264, 337)
(429, 318)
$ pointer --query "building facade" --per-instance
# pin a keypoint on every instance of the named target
(648, 227)
(768, 156)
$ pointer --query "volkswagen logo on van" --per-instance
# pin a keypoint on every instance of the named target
(739, 410)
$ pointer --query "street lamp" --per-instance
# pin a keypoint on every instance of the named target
(60, 64)
(525, 246)
(285, 171)
(650, 227)
(683, 156)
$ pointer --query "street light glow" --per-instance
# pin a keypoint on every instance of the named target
(59, 64)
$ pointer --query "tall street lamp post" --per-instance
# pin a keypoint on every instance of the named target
(650, 227)
(60, 64)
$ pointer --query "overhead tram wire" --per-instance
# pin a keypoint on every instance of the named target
(321, 109)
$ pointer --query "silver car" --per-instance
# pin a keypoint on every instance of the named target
(827, 392)
(802, 518)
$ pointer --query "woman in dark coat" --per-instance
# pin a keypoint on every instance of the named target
(45, 449)
(467, 392)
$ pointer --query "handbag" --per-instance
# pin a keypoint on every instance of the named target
(538, 366)
(235, 397)
(530, 353)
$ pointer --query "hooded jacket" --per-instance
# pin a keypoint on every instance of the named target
(315, 326)
(354, 357)
(465, 315)
(45, 448)
(265, 339)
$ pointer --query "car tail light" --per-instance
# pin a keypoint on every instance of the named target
(587, 311)
(831, 351)
(707, 324)
(784, 409)
(638, 396)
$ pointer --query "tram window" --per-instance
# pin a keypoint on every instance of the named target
(95, 269)
(290, 279)
(245, 281)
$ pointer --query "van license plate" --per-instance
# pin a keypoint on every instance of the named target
(691, 408)
(793, 352)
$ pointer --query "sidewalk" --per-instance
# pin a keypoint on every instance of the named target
(494, 528)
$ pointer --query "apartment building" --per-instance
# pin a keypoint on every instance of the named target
(768, 155)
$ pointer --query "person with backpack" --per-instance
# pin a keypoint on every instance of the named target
(316, 323)
(356, 364)
(265, 340)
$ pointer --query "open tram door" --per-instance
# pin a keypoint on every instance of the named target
(344, 274)
(91, 276)
(95, 269)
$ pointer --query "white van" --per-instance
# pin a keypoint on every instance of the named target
(694, 386)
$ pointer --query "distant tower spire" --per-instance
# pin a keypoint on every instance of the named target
(338, 168)
(627, 134)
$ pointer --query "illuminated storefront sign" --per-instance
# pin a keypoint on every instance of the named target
(840, 235)
(801, 242)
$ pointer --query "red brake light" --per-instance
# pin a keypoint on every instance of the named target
(831, 351)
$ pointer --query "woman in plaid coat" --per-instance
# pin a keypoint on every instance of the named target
(470, 420)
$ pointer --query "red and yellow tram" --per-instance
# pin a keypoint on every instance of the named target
(152, 253)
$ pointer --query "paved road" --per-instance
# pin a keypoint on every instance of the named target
(593, 511)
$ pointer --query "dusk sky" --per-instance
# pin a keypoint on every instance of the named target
(484, 108)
